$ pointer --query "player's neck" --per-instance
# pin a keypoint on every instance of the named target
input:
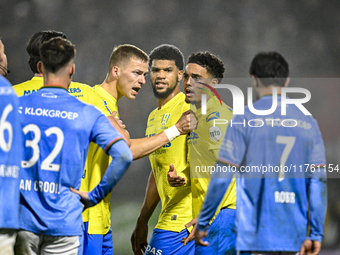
(266, 91)
(110, 85)
(38, 75)
(198, 104)
(162, 101)
(63, 82)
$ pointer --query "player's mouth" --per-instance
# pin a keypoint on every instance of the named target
(189, 92)
(135, 90)
(160, 85)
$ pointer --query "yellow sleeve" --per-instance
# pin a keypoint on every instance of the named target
(98, 101)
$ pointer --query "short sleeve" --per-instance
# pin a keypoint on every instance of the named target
(99, 102)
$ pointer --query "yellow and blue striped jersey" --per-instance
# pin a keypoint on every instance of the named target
(98, 216)
(176, 201)
(205, 142)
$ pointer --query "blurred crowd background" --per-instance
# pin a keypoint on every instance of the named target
(305, 32)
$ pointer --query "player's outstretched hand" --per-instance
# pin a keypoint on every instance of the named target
(84, 197)
(191, 236)
(139, 239)
(199, 237)
(173, 179)
(310, 247)
(187, 122)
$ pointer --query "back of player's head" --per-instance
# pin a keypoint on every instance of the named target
(124, 53)
(35, 43)
(212, 63)
(270, 67)
(56, 53)
(167, 52)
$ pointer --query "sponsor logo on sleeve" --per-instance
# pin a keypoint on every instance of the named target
(215, 133)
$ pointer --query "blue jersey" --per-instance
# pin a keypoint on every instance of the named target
(274, 155)
(57, 131)
(10, 156)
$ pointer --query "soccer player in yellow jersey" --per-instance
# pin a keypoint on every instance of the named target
(202, 72)
(166, 71)
(128, 67)
(101, 224)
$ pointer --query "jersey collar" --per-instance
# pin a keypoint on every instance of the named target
(53, 87)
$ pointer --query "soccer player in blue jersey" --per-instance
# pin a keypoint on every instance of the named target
(274, 207)
(10, 160)
(57, 131)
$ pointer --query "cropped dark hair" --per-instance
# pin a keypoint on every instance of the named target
(167, 52)
(35, 43)
(270, 67)
(56, 53)
(125, 52)
(212, 63)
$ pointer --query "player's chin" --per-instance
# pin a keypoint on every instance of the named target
(189, 100)
(131, 96)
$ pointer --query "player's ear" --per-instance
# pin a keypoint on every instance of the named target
(115, 71)
(180, 75)
(39, 67)
(214, 82)
(287, 82)
(72, 70)
(255, 81)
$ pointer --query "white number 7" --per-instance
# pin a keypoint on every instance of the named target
(289, 141)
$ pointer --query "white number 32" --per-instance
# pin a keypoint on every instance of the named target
(34, 144)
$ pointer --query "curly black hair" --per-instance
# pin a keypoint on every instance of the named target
(212, 63)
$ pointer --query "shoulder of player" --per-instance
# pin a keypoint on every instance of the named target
(6, 88)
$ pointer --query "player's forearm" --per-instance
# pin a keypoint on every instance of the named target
(218, 186)
(151, 200)
(121, 160)
(317, 204)
(144, 146)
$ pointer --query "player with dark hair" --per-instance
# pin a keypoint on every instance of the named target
(100, 225)
(166, 71)
(10, 160)
(274, 207)
(34, 44)
(57, 131)
(203, 71)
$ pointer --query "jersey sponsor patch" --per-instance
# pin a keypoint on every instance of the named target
(4, 91)
(74, 90)
(215, 133)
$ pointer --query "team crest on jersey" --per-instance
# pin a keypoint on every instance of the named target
(192, 136)
(165, 118)
(212, 116)
(215, 133)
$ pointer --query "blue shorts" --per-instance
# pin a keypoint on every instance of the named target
(221, 235)
(164, 242)
(97, 244)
